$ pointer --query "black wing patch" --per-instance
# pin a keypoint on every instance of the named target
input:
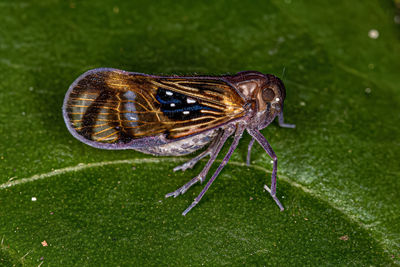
(180, 107)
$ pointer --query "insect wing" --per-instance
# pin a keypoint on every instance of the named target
(113, 109)
(106, 106)
(195, 104)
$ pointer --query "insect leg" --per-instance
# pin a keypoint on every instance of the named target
(249, 151)
(238, 135)
(208, 151)
(264, 143)
(219, 144)
(282, 122)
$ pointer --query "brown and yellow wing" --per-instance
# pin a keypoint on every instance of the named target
(108, 106)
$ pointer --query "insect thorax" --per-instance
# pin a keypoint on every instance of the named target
(181, 147)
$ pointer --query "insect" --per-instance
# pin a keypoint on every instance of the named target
(174, 116)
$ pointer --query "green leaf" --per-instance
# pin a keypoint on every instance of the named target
(338, 170)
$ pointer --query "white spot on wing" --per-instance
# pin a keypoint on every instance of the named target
(186, 112)
(190, 101)
(130, 95)
(172, 105)
(131, 114)
(169, 93)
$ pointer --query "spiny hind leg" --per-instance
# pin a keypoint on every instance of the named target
(219, 142)
(190, 164)
(238, 135)
(209, 151)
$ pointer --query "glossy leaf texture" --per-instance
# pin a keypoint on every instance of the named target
(65, 203)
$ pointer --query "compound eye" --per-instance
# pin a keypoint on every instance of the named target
(268, 94)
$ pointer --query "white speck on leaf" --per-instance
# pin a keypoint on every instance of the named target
(397, 19)
(272, 51)
(373, 34)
